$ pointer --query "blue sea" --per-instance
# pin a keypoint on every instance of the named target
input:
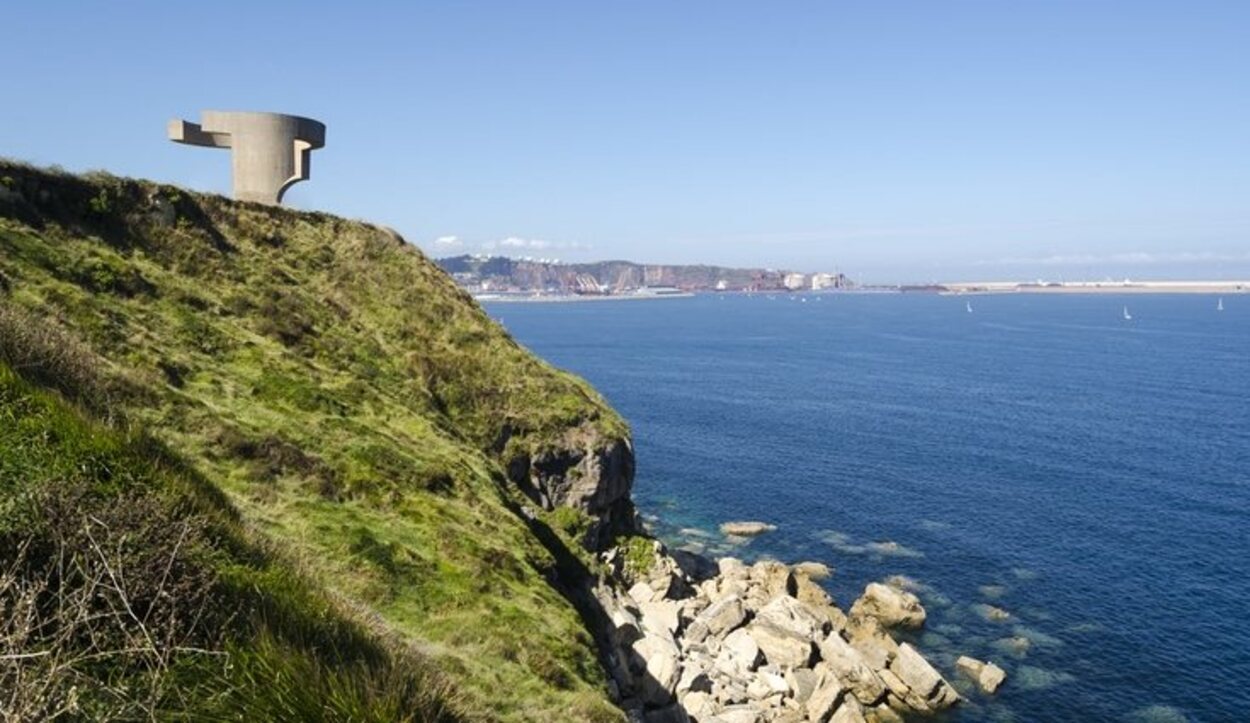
(1087, 474)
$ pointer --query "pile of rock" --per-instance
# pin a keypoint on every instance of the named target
(747, 644)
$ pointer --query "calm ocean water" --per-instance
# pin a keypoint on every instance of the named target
(1087, 474)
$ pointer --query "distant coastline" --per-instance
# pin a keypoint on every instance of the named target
(980, 288)
(500, 279)
(1096, 287)
(483, 275)
(540, 298)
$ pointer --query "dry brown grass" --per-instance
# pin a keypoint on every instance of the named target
(84, 599)
(39, 350)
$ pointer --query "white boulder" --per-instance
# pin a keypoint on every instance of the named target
(780, 646)
(891, 606)
(923, 679)
(986, 675)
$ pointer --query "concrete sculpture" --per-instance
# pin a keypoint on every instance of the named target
(269, 151)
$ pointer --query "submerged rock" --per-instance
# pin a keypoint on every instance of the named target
(991, 613)
(881, 713)
(746, 528)
(1016, 646)
(1031, 677)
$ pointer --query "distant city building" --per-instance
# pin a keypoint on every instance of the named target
(824, 281)
(794, 282)
(269, 152)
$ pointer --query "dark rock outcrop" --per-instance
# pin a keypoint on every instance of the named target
(587, 472)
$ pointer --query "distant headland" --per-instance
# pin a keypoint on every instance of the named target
(500, 277)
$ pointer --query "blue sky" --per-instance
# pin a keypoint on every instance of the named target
(908, 141)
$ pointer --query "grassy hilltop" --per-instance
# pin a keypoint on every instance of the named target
(307, 447)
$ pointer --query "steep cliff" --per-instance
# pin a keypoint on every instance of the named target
(360, 413)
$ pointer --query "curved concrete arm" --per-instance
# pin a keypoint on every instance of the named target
(269, 151)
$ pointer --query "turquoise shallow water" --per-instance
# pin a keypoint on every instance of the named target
(1088, 475)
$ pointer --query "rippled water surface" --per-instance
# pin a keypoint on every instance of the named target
(1088, 475)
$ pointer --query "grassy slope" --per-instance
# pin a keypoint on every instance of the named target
(293, 654)
(343, 393)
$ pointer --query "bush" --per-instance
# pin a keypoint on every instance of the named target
(572, 522)
(109, 275)
(101, 203)
(284, 317)
(638, 554)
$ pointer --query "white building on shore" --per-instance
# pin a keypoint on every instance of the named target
(824, 281)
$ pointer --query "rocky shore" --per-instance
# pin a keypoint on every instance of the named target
(724, 642)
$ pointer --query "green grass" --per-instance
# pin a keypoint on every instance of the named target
(290, 652)
(354, 406)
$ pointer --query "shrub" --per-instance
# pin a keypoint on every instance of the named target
(101, 203)
(284, 317)
(274, 457)
(109, 275)
(572, 522)
(638, 554)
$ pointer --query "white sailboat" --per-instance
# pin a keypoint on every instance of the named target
(1127, 316)
(968, 305)
(1220, 305)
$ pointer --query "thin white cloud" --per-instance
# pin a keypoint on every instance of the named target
(447, 241)
(516, 243)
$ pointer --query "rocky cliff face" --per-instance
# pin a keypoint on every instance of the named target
(586, 472)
